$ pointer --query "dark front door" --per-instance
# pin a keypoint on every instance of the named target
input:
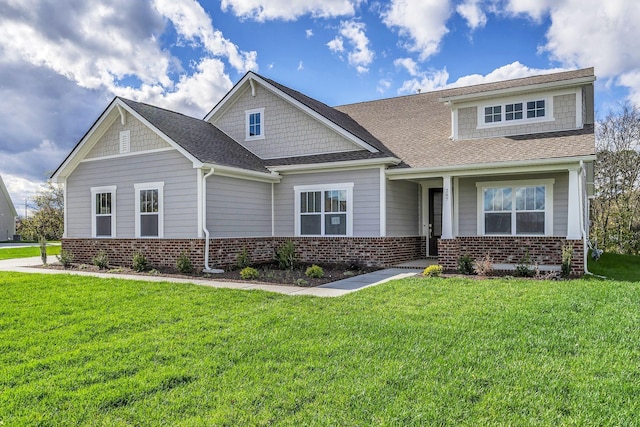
(435, 219)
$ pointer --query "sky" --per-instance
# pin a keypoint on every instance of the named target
(63, 61)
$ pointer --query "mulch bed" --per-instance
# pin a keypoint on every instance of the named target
(269, 273)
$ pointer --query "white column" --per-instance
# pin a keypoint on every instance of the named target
(447, 208)
(573, 208)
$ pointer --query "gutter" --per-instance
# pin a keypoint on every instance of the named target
(207, 269)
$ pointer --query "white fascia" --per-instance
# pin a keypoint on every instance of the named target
(335, 166)
(518, 166)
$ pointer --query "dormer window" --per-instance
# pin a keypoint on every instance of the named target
(254, 124)
(514, 113)
(535, 109)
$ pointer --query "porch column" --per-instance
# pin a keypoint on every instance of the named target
(447, 208)
(573, 208)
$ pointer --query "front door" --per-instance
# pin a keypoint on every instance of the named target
(435, 219)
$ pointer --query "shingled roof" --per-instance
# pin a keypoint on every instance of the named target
(201, 139)
(417, 128)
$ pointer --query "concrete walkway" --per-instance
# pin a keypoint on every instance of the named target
(333, 289)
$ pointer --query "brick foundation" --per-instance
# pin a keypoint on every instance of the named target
(510, 250)
(370, 251)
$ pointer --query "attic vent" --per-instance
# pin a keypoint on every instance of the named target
(125, 141)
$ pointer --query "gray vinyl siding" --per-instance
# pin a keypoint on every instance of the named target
(403, 215)
(468, 207)
(238, 208)
(172, 168)
(7, 220)
(366, 199)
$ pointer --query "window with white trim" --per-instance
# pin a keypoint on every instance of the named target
(324, 210)
(149, 209)
(103, 211)
(514, 112)
(519, 208)
(254, 124)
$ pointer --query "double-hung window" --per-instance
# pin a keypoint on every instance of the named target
(103, 211)
(519, 208)
(149, 209)
(324, 210)
(254, 126)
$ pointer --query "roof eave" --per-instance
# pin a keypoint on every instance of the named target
(235, 172)
(346, 164)
(518, 89)
(515, 166)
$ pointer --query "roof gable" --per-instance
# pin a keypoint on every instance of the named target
(337, 120)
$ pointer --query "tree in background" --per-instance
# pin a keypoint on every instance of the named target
(615, 210)
(48, 219)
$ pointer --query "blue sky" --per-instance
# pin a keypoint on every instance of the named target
(61, 63)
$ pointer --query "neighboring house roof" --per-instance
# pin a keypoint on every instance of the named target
(417, 128)
(201, 139)
(5, 193)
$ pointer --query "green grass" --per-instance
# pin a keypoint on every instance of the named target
(87, 351)
(617, 267)
(26, 252)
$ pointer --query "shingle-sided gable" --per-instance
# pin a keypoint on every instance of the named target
(286, 130)
(201, 139)
(417, 128)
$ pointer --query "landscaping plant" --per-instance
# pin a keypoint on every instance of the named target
(465, 265)
(315, 271)
(183, 264)
(433, 271)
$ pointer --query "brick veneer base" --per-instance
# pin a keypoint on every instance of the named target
(511, 250)
(371, 251)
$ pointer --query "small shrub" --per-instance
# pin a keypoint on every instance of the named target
(286, 255)
(433, 271)
(140, 262)
(65, 258)
(524, 268)
(349, 273)
(315, 271)
(301, 282)
(249, 273)
(183, 264)
(465, 265)
(101, 260)
(243, 259)
(484, 267)
(567, 255)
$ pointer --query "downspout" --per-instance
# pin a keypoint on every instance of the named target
(207, 269)
(583, 224)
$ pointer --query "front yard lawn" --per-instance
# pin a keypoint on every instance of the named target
(87, 351)
(616, 266)
(27, 252)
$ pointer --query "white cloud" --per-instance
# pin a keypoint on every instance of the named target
(336, 45)
(585, 33)
(425, 81)
(193, 23)
(422, 22)
(437, 79)
(287, 10)
(300, 66)
(383, 85)
(408, 64)
(20, 189)
(511, 71)
(360, 56)
(472, 12)
(309, 33)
